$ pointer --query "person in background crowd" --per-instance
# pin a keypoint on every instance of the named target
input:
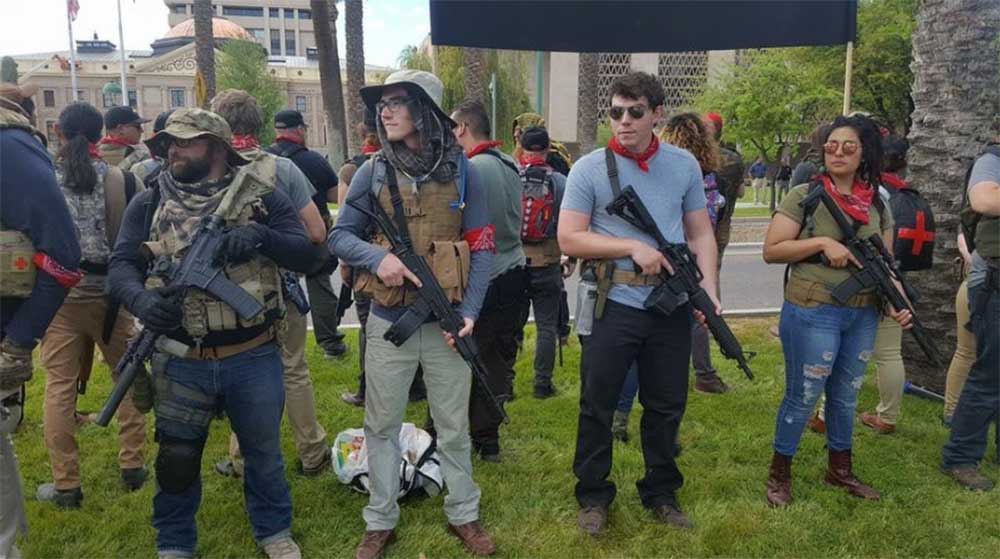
(729, 177)
(149, 167)
(623, 330)
(498, 324)
(827, 345)
(979, 405)
(965, 346)
(783, 177)
(290, 142)
(758, 179)
(558, 158)
(812, 163)
(96, 194)
(121, 145)
(419, 168)
(37, 272)
(545, 188)
(241, 112)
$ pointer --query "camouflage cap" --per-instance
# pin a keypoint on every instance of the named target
(194, 123)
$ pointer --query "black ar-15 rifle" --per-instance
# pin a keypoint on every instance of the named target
(196, 270)
(684, 284)
(431, 298)
(878, 271)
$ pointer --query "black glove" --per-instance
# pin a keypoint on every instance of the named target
(239, 244)
(159, 309)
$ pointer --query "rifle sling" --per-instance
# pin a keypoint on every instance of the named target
(616, 185)
(397, 207)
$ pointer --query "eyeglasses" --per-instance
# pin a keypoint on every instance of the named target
(849, 147)
(392, 103)
(182, 142)
(635, 111)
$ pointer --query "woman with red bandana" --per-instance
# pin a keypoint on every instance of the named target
(827, 345)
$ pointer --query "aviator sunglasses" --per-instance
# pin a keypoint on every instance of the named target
(849, 147)
(635, 111)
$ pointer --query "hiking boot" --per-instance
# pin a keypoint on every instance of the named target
(318, 469)
(336, 350)
(356, 400)
(840, 474)
(489, 451)
(671, 515)
(64, 499)
(619, 426)
(134, 478)
(284, 548)
(875, 422)
(968, 476)
(228, 469)
(779, 481)
(474, 538)
(543, 391)
(816, 424)
(710, 384)
(374, 543)
(592, 520)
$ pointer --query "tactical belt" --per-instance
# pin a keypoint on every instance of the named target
(632, 278)
(813, 294)
(223, 351)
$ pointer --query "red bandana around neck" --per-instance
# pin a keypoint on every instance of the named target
(292, 139)
(369, 149)
(244, 142)
(856, 203)
(93, 151)
(481, 147)
(528, 159)
(894, 181)
(115, 141)
(640, 158)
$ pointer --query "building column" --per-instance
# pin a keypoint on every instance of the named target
(560, 109)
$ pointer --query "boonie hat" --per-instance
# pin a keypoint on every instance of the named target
(288, 118)
(195, 123)
(419, 84)
(117, 116)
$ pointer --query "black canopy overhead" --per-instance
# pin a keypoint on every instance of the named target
(641, 26)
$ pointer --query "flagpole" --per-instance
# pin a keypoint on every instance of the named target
(72, 55)
(121, 50)
(848, 71)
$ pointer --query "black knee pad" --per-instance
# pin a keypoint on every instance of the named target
(178, 462)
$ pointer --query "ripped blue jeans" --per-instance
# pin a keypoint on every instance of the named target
(827, 348)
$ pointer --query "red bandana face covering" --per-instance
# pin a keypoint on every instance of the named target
(856, 203)
(369, 149)
(893, 180)
(528, 159)
(292, 139)
(93, 152)
(480, 148)
(115, 141)
(244, 142)
(640, 158)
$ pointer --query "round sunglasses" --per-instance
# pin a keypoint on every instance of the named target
(849, 147)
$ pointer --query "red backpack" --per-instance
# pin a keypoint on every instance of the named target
(538, 202)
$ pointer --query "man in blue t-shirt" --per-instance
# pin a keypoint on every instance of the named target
(669, 181)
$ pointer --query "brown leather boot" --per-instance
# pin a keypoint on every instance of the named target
(474, 538)
(840, 474)
(373, 545)
(779, 482)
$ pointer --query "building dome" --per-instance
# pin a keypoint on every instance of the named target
(221, 29)
(183, 34)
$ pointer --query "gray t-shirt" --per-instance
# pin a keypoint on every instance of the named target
(672, 187)
(503, 191)
(293, 182)
(986, 169)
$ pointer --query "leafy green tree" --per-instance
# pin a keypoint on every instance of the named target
(8, 70)
(243, 65)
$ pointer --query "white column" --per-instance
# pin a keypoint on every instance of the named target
(563, 83)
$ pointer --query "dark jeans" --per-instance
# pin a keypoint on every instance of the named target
(496, 336)
(979, 404)
(190, 392)
(661, 346)
(545, 294)
(323, 301)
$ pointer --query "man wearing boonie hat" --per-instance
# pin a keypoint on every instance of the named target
(421, 169)
(218, 361)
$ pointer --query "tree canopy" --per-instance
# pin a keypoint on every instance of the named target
(243, 65)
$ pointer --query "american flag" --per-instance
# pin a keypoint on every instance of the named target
(72, 6)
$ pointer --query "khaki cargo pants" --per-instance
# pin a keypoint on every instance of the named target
(67, 350)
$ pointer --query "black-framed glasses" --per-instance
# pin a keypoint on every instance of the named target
(182, 142)
(616, 112)
(392, 103)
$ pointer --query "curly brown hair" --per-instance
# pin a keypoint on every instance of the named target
(240, 110)
(688, 131)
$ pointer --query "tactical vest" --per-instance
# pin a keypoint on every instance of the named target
(17, 270)
(113, 154)
(436, 231)
(258, 276)
(988, 237)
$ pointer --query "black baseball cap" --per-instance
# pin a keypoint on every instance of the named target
(161, 120)
(535, 138)
(288, 118)
(117, 116)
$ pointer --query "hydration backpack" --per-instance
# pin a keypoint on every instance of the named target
(913, 231)
(537, 203)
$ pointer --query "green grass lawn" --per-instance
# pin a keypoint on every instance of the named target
(528, 502)
(754, 211)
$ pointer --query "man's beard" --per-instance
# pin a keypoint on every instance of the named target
(191, 170)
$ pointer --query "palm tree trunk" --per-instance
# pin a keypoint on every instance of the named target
(956, 95)
(325, 26)
(587, 102)
(353, 18)
(205, 47)
(475, 74)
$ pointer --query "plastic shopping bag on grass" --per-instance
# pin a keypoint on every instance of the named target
(419, 467)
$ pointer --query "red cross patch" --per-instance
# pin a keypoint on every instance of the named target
(21, 264)
(919, 234)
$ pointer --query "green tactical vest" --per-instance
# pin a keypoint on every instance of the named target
(988, 237)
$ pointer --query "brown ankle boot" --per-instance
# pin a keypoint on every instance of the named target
(840, 474)
(779, 482)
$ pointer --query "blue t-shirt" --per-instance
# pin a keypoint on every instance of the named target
(672, 187)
